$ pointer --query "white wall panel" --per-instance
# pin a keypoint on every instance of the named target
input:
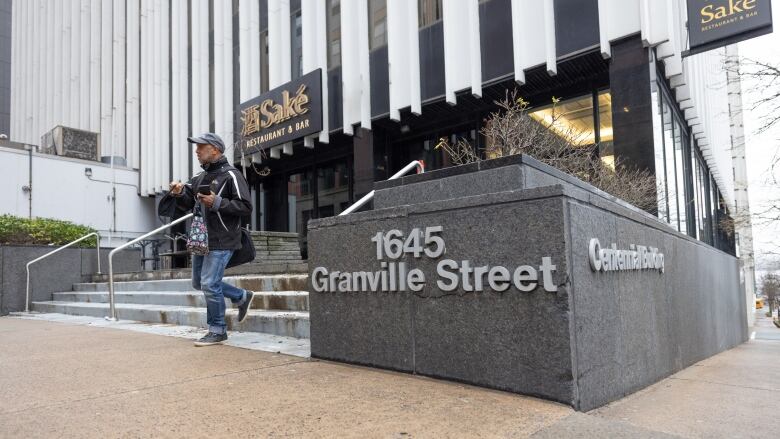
(200, 74)
(279, 56)
(653, 21)
(533, 36)
(314, 47)
(75, 56)
(403, 53)
(85, 32)
(223, 74)
(157, 134)
(95, 16)
(119, 75)
(35, 74)
(244, 50)
(254, 48)
(179, 91)
(364, 64)
(146, 55)
(165, 97)
(48, 65)
(617, 19)
(132, 97)
(106, 78)
(87, 202)
(14, 106)
(66, 117)
(462, 54)
(356, 97)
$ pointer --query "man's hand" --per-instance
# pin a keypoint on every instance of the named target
(207, 200)
(176, 187)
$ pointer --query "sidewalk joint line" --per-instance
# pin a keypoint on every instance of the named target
(142, 389)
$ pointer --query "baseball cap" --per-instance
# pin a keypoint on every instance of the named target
(209, 139)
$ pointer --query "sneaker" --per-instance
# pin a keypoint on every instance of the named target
(244, 309)
(210, 339)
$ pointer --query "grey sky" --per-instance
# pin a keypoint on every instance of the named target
(761, 148)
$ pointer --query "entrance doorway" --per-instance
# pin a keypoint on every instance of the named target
(288, 200)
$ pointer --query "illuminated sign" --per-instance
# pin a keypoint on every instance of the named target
(716, 23)
(286, 113)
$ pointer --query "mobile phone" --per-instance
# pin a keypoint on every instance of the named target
(204, 189)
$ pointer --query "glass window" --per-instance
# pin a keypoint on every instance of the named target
(572, 119)
(332, 189)
(300, 202)
(297, 45)
(706, 227)
(429, 11)
(679, 157)
(671, 175)
(660, 163)
(606, 150)
(696, 196)
(264, 61)
(334, 33)
(377, 23)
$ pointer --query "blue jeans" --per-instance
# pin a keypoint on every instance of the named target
(207, 272)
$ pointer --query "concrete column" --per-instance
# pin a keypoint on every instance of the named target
(132, 96)
(106, 78)
(403, 53)
(83, 71)
(95, 16)
(119, 146)
(533, 36)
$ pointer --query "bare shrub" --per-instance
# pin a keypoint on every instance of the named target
(511, 130)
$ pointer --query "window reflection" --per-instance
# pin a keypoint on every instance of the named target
(606, 150)
(377, 23)
(671, 175)
(333, 20)
(333, 189)
(297, 45)
(660, 164)
(300, 202)
(679, 157)
(572, 120)
(429, 12)
(264, 61)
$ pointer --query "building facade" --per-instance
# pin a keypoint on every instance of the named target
(397, 77)
(5, 66)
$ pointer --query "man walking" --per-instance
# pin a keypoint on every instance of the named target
(222, 194)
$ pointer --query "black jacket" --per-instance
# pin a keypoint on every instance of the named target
(223, 220)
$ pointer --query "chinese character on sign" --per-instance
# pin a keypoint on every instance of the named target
(251, 120)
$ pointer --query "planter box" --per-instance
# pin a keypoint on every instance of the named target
(56, 273)
(549, 315)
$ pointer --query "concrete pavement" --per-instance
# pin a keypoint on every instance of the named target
(66, 380)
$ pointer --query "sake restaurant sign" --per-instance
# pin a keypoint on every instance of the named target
(717, 23)
(286, 113)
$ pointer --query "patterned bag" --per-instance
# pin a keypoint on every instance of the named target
(198, 239)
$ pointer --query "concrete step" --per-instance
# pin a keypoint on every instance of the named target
(263, 300)
(277, 282)
(259, 267)
(284, 323)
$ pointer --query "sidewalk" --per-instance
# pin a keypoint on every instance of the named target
(78, 381)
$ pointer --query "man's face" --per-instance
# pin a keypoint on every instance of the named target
(207, 153)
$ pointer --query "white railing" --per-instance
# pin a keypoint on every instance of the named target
(367, 197)
(112, 304)
(97, 248)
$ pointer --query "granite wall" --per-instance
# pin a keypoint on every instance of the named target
(592, 338)
(54, 274)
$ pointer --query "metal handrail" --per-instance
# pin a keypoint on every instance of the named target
(112, 304)
(97, 247)
(367, 197)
